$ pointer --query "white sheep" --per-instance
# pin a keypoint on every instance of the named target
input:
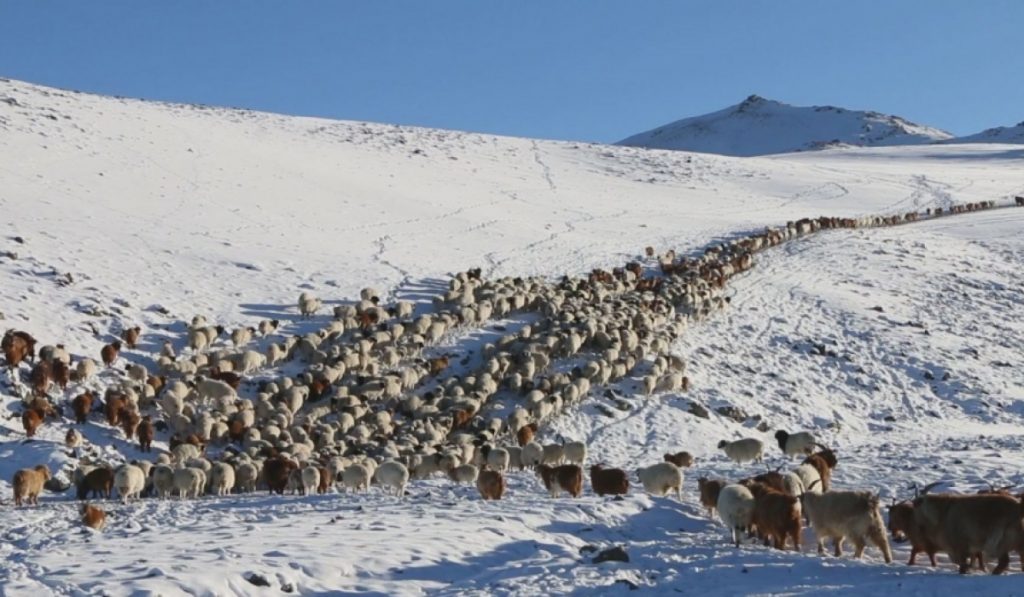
(189, 482)
(795, 444)
(847, 514)
(246, 475)
(370, 294)
(222, 479)
(73, 438)
(793, 484)
(392, 475)
(242, 336)
(553, 454)
(661, 478)
(129, 480)
(310, 480)
(736, 509)
(464, 473)
(532, 454)
(498, 459)
(215, 389)
(183, 452)
(197, 339)
(85, 370)
(249, 361)
(743, 450)
(356, 477)
(163, 480)
(308, 305)
(809, 477)
(575, 453)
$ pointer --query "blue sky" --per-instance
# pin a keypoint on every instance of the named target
(588, 70)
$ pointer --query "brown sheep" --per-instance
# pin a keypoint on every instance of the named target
(490, 484)
(82, 406)
(109, 352)
(611, 481)
(93, 517)
(276, 471)
(776, 515)
(709, 490)
(903, 527)
(34, 414)
(229, 377)
(18, 346)
(131, 336)
(437, 365)
(461, 417)
(130, 420)
(40, 378)
(96, 483)
(525, 434)
(31, 420)
(113, 407)
(236, 430)
(772, 479)
(326, 479)
(176, 440)
(971, 526)
(157, 382)
(145, 433)
(567, 477)
(28, 484)
(61, 374)
(681, 459)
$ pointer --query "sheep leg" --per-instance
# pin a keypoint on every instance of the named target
(859, 546)
(837, 542)
(736, 536)
(821, 546)
(931, 556)
(1003, 564)
(913, 556)
(882, 543)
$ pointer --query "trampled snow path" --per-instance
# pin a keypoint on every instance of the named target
(948, 291)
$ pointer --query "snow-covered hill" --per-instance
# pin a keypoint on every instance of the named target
(759, 126)
(999, 134)
(892, 344)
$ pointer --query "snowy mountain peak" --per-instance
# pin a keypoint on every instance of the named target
(760, 126)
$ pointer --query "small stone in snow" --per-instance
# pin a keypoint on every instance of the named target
(614, 554)
(258, 579)
(625, 581)
(699, 410)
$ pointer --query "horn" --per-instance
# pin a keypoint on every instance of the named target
(929, 487)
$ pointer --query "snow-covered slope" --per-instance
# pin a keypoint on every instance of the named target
(119, 212)
(759, 126)
(999, 134)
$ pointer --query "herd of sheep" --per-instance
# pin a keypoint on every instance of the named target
(367, 400)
